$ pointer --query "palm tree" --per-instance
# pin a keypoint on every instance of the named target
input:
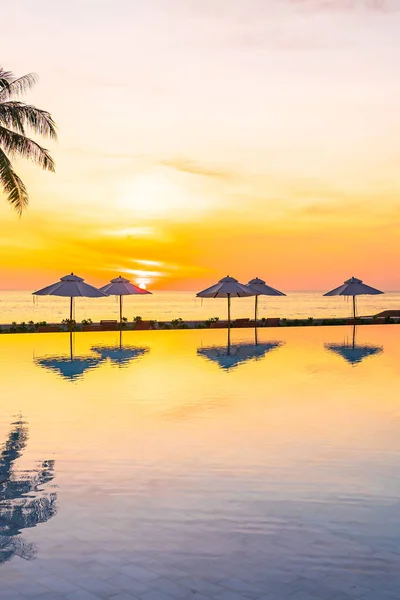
(16, 119)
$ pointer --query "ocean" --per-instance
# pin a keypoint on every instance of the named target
(164, 306)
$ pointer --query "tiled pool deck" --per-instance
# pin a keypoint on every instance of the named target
(260, 570)
(173, 474)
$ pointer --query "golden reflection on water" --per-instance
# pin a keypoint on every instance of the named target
(287, 458)
(299, 394)
(171, 452)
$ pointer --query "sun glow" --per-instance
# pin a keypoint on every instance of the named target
(165, 192)
(154, 194)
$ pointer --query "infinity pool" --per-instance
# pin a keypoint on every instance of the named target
(165, 465)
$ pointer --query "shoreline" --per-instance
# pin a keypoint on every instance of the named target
(142, 325)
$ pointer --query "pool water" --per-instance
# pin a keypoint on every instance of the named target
(169, 465)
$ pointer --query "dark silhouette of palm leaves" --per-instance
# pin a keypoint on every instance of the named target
(17, 121)
(23, 503)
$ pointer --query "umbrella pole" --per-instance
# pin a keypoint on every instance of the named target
(71, 306)
(229, 311)
(255, 309)
(120, 312)
(354, 307)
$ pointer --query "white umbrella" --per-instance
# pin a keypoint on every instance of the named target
(70, 286)
(122, 287)
(228, 287)
(262, 289)
(353, 287)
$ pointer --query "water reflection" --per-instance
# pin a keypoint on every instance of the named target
(23, 502)
(230, 356)
(70, 367)
(120, 355)
(352, 352)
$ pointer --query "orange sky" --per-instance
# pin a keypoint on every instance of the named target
(255, 138)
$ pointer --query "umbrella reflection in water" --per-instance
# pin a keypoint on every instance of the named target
(230, 356)
(120, 355)
(354, 353)
(69, 367)
(24, 500)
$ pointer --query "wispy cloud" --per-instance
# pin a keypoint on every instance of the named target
(148, 263)
(194, 168)
(348, 211)
(127, 232)
(91, 152)
(347, 5)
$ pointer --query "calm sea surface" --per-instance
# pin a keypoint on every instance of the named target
(169, 465)
(163, 306)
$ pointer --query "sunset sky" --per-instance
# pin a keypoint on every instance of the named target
(199, 138)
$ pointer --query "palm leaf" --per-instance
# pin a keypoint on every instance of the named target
(17, 86)
(11, 118)
(6, 78)
(6, 74)
(15, 144)
(15, 189)
(20, 116)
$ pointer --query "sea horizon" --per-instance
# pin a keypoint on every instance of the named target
(19, 305)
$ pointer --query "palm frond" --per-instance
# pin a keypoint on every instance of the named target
(15, 189)
(20, 116)
(16, 87)
(15, 144)
(6, 78)
(11, 118)
(6, 74)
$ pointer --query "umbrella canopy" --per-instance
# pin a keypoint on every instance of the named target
(353, 287)
(228, 287)
(262, 289)
(122, 287)
(70, 286)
